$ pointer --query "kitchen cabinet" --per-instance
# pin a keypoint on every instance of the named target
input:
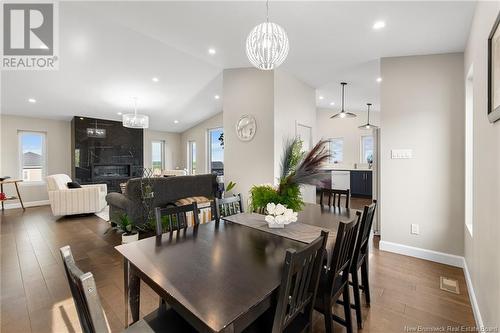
(361, 183)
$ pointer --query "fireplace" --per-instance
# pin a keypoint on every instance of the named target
(105, 152)
(110, 171)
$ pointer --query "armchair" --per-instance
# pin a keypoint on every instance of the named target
(64, 201)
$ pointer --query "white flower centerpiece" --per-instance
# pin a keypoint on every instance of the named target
(278, 215)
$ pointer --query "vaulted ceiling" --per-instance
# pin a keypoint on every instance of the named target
(111, 51)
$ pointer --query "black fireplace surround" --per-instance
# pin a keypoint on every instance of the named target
(103, 151)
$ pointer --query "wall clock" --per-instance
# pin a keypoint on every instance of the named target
(246, 127)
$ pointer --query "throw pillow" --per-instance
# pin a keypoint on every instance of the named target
(204, 205)
(74, 185)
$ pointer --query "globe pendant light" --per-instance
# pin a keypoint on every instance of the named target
(267, 45)
(342, 113)
(368, 125)
(135, 120)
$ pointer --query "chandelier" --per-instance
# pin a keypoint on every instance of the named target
(267, 44)
(135, 120)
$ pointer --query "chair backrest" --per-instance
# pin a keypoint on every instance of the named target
(228, 206)
(364, 231)
(175, 218)
(343, 250)
(58, 182)
(299, 283)
(336, 196)
(82, 285)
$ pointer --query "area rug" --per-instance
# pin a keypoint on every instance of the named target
(104, 214)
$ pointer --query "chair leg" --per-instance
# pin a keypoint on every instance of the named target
(347, 308)
(357, 299)
(327, 308)
(365, 280)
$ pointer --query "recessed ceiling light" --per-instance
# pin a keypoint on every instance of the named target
(155, 79)
(332, 103)
(378, 25)
(211, 51)
(217, 97)
(379, 79)
(31, 100)
(81, 118)
(321, 97)
(119, 113)
(176, 121)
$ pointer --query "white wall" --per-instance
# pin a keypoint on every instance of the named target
(173, 154)
(294, 103)
(198, 134)
(482, 249)
(346, 128)
(278, 101)
(422, 103)
(58, 148)
(248, 91)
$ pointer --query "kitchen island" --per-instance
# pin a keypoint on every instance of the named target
(359, 181)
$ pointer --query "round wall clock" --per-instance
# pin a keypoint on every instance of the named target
(246, 127)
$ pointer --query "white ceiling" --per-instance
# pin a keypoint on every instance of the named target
(110, 51)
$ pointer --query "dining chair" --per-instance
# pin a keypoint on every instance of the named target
(334, 280)
(299, 285)
(172, 219)
(91, 314)
(175, 218)
(360, 260)
(228, 206)
(336, 196)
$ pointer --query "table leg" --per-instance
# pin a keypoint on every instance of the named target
(1, 190)
(126, 288)
(19, 196)
(134, 288)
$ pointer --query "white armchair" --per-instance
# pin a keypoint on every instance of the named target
(65, 201)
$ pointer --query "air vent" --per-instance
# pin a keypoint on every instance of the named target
(449, 285)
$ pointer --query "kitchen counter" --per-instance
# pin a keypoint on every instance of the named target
(345, 169)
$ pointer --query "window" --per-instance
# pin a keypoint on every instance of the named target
(337, 150)
(216, 151)
(367, 149)
(191, 153)
(32, 155)
(469, 152)
(158, 155)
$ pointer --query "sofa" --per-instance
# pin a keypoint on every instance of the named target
(167, 190)
(66, 201)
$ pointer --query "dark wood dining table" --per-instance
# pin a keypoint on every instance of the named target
(219, 276)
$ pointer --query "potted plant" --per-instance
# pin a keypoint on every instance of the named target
(297, 168)
(126, 227)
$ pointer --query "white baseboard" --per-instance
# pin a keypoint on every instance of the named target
(27, 204)
(440, 257)
(472, 297)
(443, 258)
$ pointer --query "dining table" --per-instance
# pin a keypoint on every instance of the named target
(222, 275)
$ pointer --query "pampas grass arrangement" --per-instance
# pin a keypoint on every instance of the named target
(297, 168)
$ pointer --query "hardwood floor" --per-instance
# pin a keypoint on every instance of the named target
(35, 296)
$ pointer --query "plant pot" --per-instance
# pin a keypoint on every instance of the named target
(275, 225)
(129, 238)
